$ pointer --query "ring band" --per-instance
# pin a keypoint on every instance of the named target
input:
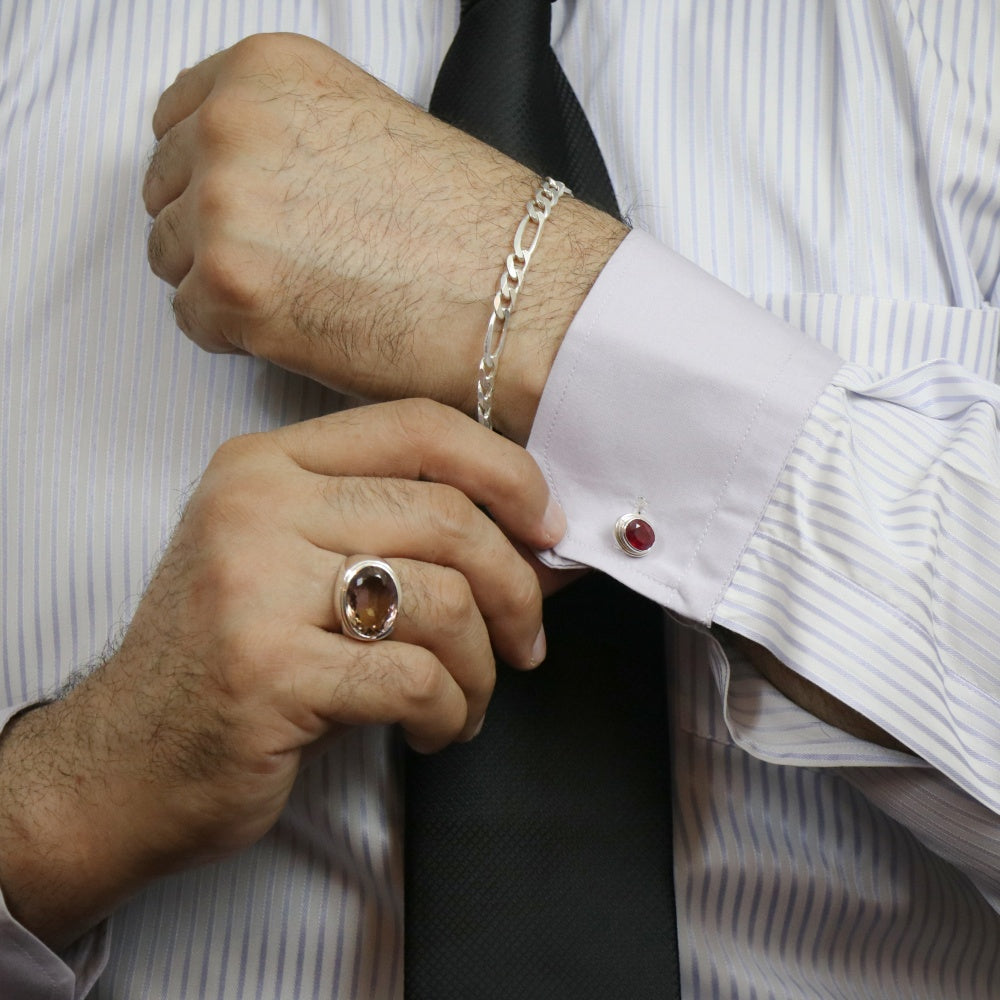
(369, 595)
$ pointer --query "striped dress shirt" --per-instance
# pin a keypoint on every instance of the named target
(824, 474)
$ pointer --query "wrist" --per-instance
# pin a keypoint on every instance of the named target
(577, 243)
(66, 860)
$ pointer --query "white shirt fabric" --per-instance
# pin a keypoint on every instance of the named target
(834, 162)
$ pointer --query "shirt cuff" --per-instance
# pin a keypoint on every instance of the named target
(29, 969)
(674, 392)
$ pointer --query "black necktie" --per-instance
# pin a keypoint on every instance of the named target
(539, 856)
(501, 82)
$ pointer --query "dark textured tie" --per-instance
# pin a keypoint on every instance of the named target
(539, 856)
(501, 82)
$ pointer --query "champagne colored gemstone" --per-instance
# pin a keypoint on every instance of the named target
(639, 534)
(371, 602)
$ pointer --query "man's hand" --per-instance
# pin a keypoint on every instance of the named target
(308, 215)
(184, 745)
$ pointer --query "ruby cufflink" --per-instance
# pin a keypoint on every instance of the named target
(634, 534)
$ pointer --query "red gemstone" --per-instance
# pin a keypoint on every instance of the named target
(639, 534)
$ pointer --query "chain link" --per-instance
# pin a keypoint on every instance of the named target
(511, 283)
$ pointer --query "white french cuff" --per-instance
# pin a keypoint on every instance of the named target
(672, 389)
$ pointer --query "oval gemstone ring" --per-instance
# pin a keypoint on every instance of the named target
(369, 595)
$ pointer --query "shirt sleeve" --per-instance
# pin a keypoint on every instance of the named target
(842, 518)
(29, 969)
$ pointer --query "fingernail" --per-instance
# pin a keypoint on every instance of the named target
(538, 650)
(554, 522)
(474, 733)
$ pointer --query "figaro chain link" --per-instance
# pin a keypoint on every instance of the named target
(511, 283)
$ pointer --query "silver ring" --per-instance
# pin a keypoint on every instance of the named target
(369, 596)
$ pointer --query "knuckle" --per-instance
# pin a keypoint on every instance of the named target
(184, 314)
(273, 54)
(213, 193)
(243, 448)
(521, 471)
(214, 120)
(160, 119)
(156, 247)
(255, 48)
(423, 413)
(150, 182)
(162, 116)
(521, 594)
(162, 232)
(155, 172)
(516, 477)
(424, 422)
(233, 478)
(422, 678)
(455, 601)
(451, 516)
(226, 281)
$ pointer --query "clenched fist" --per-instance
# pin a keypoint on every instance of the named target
(308, 215)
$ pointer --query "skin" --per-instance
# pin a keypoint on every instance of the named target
(307, 215)
(183, 747)
(344, 233)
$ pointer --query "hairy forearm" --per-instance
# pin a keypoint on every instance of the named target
(62, 869)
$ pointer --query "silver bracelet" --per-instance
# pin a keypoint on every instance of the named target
(511, 283)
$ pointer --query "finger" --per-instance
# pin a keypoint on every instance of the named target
(169, 245)
(439, 525)
(187, 315)
(185, 94)
(169, 169)
(420, 439)
(341, 680)
(172, 258)
(438, 612)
